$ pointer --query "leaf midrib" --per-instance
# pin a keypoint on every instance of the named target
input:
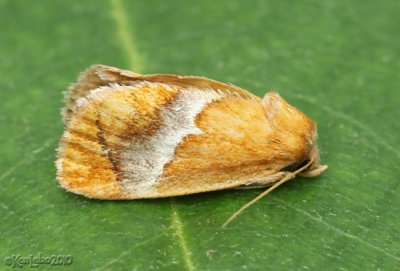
(128, 45)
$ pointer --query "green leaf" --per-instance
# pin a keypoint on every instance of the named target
(337, 61)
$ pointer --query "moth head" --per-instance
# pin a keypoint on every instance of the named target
(294, 133)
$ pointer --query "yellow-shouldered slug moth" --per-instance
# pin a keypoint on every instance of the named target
(133, 136)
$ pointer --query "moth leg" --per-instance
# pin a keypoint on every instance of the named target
(264, 181)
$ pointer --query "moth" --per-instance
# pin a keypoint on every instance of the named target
(134, 136)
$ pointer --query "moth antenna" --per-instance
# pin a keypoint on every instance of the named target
(288, 177)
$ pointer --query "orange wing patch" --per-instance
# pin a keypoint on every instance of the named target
(102, 126)
(234, 148)
(83, 165)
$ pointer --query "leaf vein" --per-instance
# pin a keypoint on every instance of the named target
(26, 159)
(125, 35)
(340, 232)
(177, 226)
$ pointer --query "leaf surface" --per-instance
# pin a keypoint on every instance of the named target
(337, 61)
